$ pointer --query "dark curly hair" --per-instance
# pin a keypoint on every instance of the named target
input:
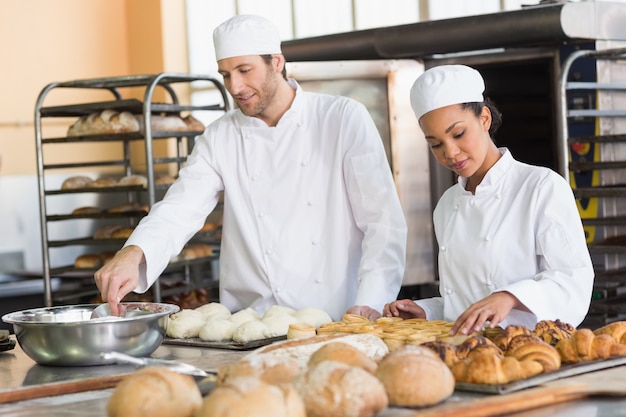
(496, 116)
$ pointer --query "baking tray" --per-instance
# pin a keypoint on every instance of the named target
(564, 372)
(197, 342)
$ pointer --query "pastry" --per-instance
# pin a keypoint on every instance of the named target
(155, 392)
(300, 331)
(552, 331)
(584, 345)
(617, 331)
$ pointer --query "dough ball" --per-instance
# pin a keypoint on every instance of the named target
(280, 310)
(155, 392)
(249, 396)
(313, 316)
(185, 324)
(250, 330)
(213, 311)
(278, 323)
(217, 330)
(339, 390)
(414, 378)
(244, 315)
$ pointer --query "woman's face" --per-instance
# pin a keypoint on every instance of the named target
(459, 140)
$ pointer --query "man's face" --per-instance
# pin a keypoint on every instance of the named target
(251, 82)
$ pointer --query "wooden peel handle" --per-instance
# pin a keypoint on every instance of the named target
(59, 388)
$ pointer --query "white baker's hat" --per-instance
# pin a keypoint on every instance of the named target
(246, 35)
(446, 85)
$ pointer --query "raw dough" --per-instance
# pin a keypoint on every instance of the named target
(185, 324)
(278, 324)
(213, 311)
(217, 330)
(313, 316)
(250, 330)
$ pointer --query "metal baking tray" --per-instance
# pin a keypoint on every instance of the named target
(197, 342)
(565, 371)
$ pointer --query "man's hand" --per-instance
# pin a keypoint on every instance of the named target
(493, 309)
(119, 276)
(405, 309)
(364, 311)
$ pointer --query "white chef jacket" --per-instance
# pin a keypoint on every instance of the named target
(311, 214)
(521, 232)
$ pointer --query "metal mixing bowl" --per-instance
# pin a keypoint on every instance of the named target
(67, 336)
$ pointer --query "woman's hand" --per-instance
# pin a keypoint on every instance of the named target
(406, 309)
(493, 308)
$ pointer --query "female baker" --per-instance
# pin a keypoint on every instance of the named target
(511, 244)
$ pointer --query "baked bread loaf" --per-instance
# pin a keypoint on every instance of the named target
(129, 207)
(104, 122)
(552, 331)
(584, 345)
(270, 369)
(106, 231)
(122, 233)
(414, 376)
(249, 396)
(163, 123)
(129, 180)
(193, 123)
(344, 353)
(88, 261)
(104, 182)
(76, 182)
(335, 389)
(86, 210)
(155, 392)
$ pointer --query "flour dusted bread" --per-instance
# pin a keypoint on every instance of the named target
(415, 376)
(336, 389)
(155, 392)
(104, 122)
(250, 396)
(344, 353)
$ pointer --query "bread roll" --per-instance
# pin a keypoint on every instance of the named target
(122, 233)
(344, 353)
(76, 182)
(133, 180)
(86, 210)
(129, 207)
(106, 231)
(155, 392)
(193, 123)
(104, 122)
(270, 369)
(249, 396)
(88, 261)
(415, 377)
(104, 182)
(335, 389)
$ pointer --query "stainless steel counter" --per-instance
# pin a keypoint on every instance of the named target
(18, 370)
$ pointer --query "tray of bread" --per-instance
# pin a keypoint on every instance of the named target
(212, 325)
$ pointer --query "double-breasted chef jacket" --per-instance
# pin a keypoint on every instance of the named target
(311, 215)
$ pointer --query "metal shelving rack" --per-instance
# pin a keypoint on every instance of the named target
(146, 108)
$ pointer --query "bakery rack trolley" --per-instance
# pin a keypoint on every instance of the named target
(147, 108)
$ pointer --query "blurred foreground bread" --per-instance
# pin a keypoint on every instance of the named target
(250, 396)
(155, 392)
(336, 389)
(415, 376)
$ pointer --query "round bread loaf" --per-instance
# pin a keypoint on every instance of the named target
(76, 182)
(133, 180)
(106, 231)
(86, 210)
(155, 392)
(128, 207)
(268, 368)
(104, 182)
(249, 396)
(339, 390)
(122, 233)
(344, 353)
(193, 123)
(415, 377)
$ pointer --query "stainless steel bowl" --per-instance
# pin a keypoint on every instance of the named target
(67, 336)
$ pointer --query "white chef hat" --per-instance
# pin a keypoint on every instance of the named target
(446, 85)
(246, 35)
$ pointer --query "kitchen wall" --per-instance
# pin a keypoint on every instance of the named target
(44, 41)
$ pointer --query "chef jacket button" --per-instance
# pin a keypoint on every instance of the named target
(269, 251)
(498, 196)
(442, 248)
(277, 290)
(261, 214)
(456, 207)
(487, 238)
(318, 280)
(255, 177)
(489, 283)
(303, 163)
(309, 203)
(448, 291)
(314, 242)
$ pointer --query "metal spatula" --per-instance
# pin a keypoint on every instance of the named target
(183, 368)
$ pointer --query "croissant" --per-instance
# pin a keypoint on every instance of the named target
(552, 331)
(584, 345)
(616, 330)
(528, 347)
(475, 343)
(446, 351)
(487, 368)
(502, 337)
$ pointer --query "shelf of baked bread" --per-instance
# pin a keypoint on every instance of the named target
(100, 215)
(130, 105)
